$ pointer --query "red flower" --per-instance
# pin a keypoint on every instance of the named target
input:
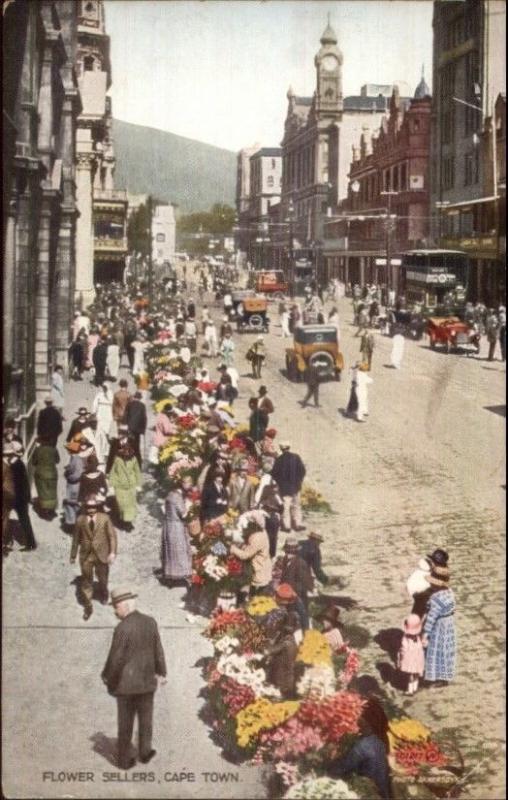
(197, 580)
(234, 565)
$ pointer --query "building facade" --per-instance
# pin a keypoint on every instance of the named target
(319, 133)
(265, 191)
(387, 207)
(243, 232)
(101, 230)
(41, 103)
(163, 236)
(469, 75)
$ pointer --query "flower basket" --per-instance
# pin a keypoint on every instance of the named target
(226, 601)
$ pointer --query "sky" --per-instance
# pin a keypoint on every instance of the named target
(219, 70)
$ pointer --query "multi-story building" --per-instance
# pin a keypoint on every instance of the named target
(242, 233)
(265, 188)
(469, 74)
(102, 210)
(318, 136)
(41, 103)
(387, 208)
(163, 236)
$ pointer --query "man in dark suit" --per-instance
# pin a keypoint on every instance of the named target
(135, 419)
(49, 423)
(134, 664)
(288, 472)
(241, 490)
(100, 354)
(22, 495)
(312, 379)
(310, 551)
(96, 537)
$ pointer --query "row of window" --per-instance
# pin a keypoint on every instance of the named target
(471, 169)
(298, 167)
(461, 28)
(480, 220)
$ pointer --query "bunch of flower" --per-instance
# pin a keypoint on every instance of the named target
(262, 715)
(261, 605)
(223, 622)
(179, 444)
(288, 772)
(346, 662)
(235, 696)
(407, 730)
(412, 756)
(212, 530)
(315, 650)
(185, 465)
(226, 644)
(187, 422)
(234, 566)
(289, 741)
(244, 671)
(213, 569)
(237, 444)
(317, 682)
(312, 500)
(335, 716)
(313, 788)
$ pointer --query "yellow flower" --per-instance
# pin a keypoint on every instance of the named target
(261, 605)
(253, 479)
(262, 715)
(409, 730)
(314, 649)
(160, 405)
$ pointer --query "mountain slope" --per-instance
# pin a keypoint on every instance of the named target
(173, 168)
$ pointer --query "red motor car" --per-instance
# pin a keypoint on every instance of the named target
(453, 334)
(271, 282)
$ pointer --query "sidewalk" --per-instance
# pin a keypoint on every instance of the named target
(57, 715)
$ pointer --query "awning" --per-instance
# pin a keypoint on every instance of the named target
(469, 203)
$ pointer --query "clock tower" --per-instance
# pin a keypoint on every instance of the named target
(328, 63)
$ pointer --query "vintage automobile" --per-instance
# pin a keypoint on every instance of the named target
(271, 282)
(409, 323)
(317, 345)
(453, 334)
(250, 312)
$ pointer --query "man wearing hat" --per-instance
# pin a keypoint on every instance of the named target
(100, 355)
(295, 571)
(49, 423)
(121, 399)
(310, 551)
(95, 536)
(241, 490)
(288, 472)
(20, 497)
(134, 667)
(136, 421)
(78, 424)
(287, 599)
(256, 355)
(257, 551)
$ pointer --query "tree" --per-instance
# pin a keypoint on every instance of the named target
(138, 231)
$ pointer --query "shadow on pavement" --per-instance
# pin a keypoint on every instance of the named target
(389, 640)
(105, 746)
(389, 674)
(76, 582)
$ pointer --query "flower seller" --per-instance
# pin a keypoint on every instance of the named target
(256, 550)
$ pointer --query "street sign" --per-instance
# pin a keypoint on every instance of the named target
(394, 262)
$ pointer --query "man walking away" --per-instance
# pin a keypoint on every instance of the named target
(502, 331)
(492, 333)
(95, 536)
(312, 379)
(49, 423)
(288, 472)
(134, 664)
(22, 495)
(136, 420)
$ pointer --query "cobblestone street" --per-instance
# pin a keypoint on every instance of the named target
(427, 470)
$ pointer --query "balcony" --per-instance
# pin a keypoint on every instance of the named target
(475, 245)
(110, 194)
(104, 243)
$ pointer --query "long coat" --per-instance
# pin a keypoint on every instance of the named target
(125, 477)
(135, 417)
(44, 461)
(439, 628)
(241, 495)
(296, 572)
(288, 472)
(214, 503)
(73, 472)
(176, 554)
(49, 424)
(136, 656)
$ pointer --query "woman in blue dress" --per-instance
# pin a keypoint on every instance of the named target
(439, 628)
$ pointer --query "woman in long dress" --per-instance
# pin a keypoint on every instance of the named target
(73, 473)
(439, 632)
(397, 350)
(113, 359)
(125, 478)
(139, 346)
(352, 406)
(176, 553)
(362, 392)
(44, 461)
(103, 410)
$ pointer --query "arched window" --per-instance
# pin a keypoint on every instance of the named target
(89, 63)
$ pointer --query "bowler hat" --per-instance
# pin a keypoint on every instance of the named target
(119, 595)
(317, 536)
(439, 557)
(284, 445)
(412, 624)
(331, 613)
(285, 593)
(48, 399)
(92, 502)
(82, 411)
(271, 433)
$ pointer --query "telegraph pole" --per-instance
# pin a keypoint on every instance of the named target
(150, 259)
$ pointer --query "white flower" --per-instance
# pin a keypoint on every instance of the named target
(320, 789)
(226, 644)
(317, 682)
(213, 569)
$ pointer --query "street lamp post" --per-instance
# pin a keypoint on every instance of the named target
(290, 219)
(389, 228)
(150, 259)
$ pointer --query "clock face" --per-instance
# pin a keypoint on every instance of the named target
(329, 63)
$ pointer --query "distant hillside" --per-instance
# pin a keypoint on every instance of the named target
(173, 168)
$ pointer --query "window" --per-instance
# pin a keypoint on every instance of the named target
(387, 180)
(447, 82)
(89, 63)
(396, 178)
(273, 163)
(160, 237)
(449, 172)
(471, 168)
(448, 125)
(403, 176)
(269, 181)
(416, 125)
